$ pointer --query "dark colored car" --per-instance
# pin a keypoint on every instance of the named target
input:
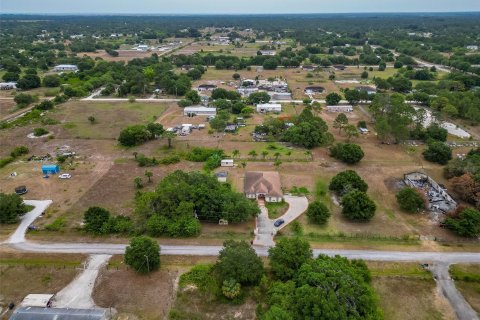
(279, 222)
(21, 190)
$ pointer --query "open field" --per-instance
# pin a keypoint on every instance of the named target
(467, 281)
(406, 291)
(102, 170)
(25, 273)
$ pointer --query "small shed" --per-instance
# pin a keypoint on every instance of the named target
(50, 169)
(227, 163)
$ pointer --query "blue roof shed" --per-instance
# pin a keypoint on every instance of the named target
(50, 169)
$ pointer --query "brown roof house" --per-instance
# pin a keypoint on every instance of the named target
(263, 185)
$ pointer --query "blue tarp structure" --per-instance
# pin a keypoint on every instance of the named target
(50, 169)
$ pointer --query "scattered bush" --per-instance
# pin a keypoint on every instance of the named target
(38, 132)
(466, 224)
(19, 151)
(356, 205)
(438, 152)
(346, 181)
(318, 212)
(347, 152)
(410, 200)
(11, 208)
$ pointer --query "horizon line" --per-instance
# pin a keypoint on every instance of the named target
(228, 14)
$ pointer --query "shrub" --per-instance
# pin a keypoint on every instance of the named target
(346, 181)
(38, 132)
(438, 152)
(11, 208)
(467, 224)
(94, 219)
(347, 152)
(171, 159)
(51, 81)
(356, 205)
(333, 98)
(45, 105)
(318, 212)
(19, 151)
(231, 289)
(23, 99)
(5, 161)
(143, 254)
(410, 200)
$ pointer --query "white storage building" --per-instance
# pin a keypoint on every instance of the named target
(66, 67)
(199, 111)
(269, 107)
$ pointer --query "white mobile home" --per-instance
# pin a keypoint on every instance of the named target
(199, 111)
(339, 108)
(66, 67)
(269, 107)
(227, 163)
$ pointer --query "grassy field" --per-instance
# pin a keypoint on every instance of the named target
(467, 281)
(406, 291)
(110, 117)
(25, 273)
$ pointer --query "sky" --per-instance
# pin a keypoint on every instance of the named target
(233, 7)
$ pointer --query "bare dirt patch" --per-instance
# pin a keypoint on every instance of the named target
(131, 294)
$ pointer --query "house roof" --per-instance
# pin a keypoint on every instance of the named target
(36, 300)
(37, 313)
(267, 182)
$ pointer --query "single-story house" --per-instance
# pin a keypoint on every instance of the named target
(50, 169)
(37, 300)
(268, 52)
(39, 313)
(246, 91)
(340, 108)
(199, 111)
(206, 87)
(227, 163)
(472, 47)
(142, 47)
(66, 67)
(309, 67)
(314, 89)
(263, 185)
(221, 176)
(269, 107)
(369, 90)
(8, 85)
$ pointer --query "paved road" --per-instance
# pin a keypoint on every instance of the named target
(461, 307)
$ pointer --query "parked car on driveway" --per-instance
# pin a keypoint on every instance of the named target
(278, 223)
(65, 176)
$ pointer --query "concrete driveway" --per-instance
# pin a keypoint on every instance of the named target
(265, 231)
(39, 206)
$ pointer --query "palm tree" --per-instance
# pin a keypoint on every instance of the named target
(169, 136)
(277, 155)
(253, 153)
(149, 175)
(264, 154)
(235, 153)
(243, 164)
(135, 153)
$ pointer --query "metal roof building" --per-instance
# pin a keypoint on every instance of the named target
(199, 111)
(37, 313)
